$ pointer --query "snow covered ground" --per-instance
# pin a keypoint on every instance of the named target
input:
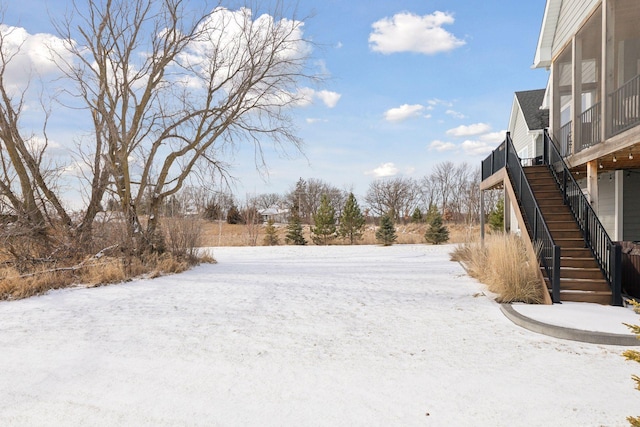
(304, 336)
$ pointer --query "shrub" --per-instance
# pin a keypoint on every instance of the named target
(635, 356)
(505, 265)
(183, 237)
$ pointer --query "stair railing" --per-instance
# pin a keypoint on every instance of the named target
(537, 227)
(606, 252)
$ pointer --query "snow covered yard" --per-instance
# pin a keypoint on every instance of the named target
(313, 336)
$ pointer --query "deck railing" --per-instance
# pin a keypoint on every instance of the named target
(625, 106)
(494, 162)
(564, 136)
(606, 252)
(589, 122)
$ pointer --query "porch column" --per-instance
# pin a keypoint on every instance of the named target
(607, 72)
(576, 95)
(482, 217)
(554, 108)
(592, 183)
(507, 212)
(619, 206)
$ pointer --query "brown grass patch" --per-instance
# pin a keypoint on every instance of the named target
(505, 265)
(223, 234)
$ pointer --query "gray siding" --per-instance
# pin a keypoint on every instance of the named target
(607, 202)
(572, 14)
(631, 207)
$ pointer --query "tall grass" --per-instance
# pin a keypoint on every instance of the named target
(505, 265)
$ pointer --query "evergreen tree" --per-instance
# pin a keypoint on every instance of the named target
(271, 234)
(496, 216)
(417, 216)
(352, 220)
(431, 213)
(436, 233)
(294, 230)
(325, 222)
(386, 233)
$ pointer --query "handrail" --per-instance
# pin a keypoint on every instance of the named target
(607, 253)
(537, 227)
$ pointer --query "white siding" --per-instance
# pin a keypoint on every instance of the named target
(572, 15)
(520, 134)
(631, 207)
(607, 202)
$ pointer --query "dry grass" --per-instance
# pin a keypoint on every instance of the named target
(223, 234)
(505, 266)
(20, 279)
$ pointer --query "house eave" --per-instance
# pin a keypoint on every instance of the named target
(543, 54)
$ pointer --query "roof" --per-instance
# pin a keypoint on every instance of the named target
(530, 102)
(547, 34)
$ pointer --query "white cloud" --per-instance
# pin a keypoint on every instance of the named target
(407, 32)
(495, 137)
(329, 98)
(435, 101)
(403, 112)
(455, 114)
(312, 120)
(442, 146)
(474, 129)
(477, 148)
(30, 54)
(339, 45)
(385, 170)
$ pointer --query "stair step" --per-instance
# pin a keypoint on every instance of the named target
(603, 298)
(566, 234)
(576, 253)
(569, 262)
(591, 285)
(593, 273)
(581, 285)
(570, 243)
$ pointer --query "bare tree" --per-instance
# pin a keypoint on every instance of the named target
(265, 201)
(443, 179)
(399, 196)
(170, 90)
(27, 180)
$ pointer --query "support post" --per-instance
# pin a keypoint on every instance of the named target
(482, 217)
(555, 280)
(616, 280)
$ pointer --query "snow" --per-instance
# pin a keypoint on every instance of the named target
(588, 317)
(313, 336)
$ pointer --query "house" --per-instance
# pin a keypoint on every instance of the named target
(585, 196)
(527, 123)
(275, 213)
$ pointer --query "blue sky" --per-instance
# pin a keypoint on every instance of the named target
(410, 84)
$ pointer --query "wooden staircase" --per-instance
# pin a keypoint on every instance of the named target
(580, 276)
